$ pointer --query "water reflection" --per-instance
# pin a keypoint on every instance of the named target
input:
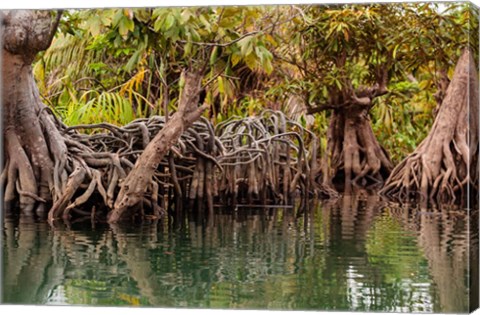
(356, 254)
(443, 235)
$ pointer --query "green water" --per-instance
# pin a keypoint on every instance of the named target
(357, 255)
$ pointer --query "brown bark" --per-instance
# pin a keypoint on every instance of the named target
(444, 166)
(140, 178)
(27, 128)
(354, 156)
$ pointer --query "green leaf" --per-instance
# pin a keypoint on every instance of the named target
(213, 55)
(172, 33)
(143, 15)
(227, 22)
(267, 66)
(230, 12)
(125, 25)
(181, 82)
(205, 22)
(133, 61)
(117, 17)
(221, 87)
(98, 66)
(169, 21)
(338, 84)
(394, 54)
(245, 45)
(157, 13)
(187, 49)
(106, 17)
(158, 24)
(95, 24)
(186, 15)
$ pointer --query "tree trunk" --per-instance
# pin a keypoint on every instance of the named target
(49, 164)
(444, 166)
(354, 156)
(32, 144)
(140, 178)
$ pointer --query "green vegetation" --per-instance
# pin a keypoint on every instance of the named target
(116, 65)
(137, 55)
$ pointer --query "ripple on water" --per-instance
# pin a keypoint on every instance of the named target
(355, 255)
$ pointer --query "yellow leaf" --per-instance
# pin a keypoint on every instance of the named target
(128, 13)
(269, 38)
(346, 35)
(235, 59)
(221, 88)
(251, 61)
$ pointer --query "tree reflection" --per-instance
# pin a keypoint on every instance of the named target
(443, 235)
(28, 262)
(355, 254)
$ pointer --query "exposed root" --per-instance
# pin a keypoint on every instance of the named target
(354, 157)
(262, 159)
(265, 159)
(445, 165)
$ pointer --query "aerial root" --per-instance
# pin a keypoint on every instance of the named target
(266, 159)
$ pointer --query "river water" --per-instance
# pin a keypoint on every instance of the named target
(357, 254)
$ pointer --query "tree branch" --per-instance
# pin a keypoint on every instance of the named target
(237, 39)
(221, 45)
(320, 108)
(54, 27)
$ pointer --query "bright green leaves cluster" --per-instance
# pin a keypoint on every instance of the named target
(345, 45)
(175, 24)
(402, 118)
(103, 107)
(254, 53)
(200, 32)
(123, 22)
(106, 49)
(346, 25)
(94, 24)
(246, 46)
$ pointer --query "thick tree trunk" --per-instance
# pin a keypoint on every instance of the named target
(32, 144)
(140, 178)
(444, 166)
(354, 157)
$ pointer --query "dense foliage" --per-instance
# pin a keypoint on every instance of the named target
(115, 65)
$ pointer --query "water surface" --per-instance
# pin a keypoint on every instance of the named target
(357, 254)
